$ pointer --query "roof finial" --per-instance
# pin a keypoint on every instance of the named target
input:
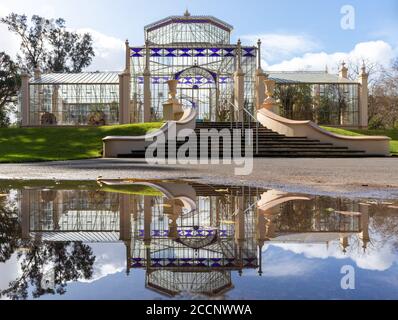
(363, 67)
(187, 14)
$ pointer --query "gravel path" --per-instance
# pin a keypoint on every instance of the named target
(365, 177)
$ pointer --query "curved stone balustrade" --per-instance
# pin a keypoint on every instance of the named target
(115, 145)
(176, 191)
(371, 145)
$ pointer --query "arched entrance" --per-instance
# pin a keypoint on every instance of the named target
(199, 86)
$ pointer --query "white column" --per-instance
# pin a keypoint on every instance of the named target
(128, 61)
(125, 217)
(124, 98)
(147, 85)
(239, 83)
(147, 220)
(259, 80)
(25, 100)
(343, 73)
(363, 98)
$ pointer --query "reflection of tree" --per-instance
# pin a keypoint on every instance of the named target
(316, 215)
(9, 232)
(384, 222)
(69, 261)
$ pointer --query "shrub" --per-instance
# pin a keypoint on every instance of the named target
(376, 123)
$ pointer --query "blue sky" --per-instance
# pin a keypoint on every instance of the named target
(290, 29)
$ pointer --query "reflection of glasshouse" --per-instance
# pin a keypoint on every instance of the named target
(213, 75)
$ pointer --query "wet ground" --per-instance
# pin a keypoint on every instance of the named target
(157, 239)
(365, 177)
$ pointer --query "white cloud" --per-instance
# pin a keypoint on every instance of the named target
(374, 51)
(109, 51)
(8, 42)
(278, 46)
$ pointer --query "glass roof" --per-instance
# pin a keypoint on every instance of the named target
(188, 29)
(78, 78)
(307, 77)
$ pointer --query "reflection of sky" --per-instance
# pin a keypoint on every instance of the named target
(290, 272)
(9, 271)
(296, 276)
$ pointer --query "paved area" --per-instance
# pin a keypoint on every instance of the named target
(367, 177)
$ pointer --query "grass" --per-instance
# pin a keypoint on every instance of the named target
(19, 145)
(392, 133)
(132, 189)
(135, 189)
(50, 144)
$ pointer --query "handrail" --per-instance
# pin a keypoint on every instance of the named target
(243, 122)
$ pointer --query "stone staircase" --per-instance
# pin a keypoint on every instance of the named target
(270, 144)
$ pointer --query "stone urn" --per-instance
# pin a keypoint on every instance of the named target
(48, 195)
(172, 108)
(48, 119)
(269, 87)
(172, 84)
(96, 118)
(269, 102)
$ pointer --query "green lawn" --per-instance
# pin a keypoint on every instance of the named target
(49, 144)
(392, 133)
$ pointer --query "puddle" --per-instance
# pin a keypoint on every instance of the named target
(137, 239)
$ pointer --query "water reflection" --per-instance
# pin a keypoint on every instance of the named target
(188, 238)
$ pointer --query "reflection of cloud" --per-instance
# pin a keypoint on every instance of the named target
(276, 263)
(379, 259)
(285, 267)
(9, 271)
(109, 259)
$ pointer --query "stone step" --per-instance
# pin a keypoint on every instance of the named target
(270, 144)
(279, 154)
(261, 143)
(280, 148)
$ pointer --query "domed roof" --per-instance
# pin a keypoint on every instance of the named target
(188, 29)
(188, 18)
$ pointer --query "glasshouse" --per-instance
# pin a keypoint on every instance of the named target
(224, 81)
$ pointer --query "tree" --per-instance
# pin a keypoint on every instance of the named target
(383, 99)
(32, 38)
(48, 45)
(9, 85)
(70, 52)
